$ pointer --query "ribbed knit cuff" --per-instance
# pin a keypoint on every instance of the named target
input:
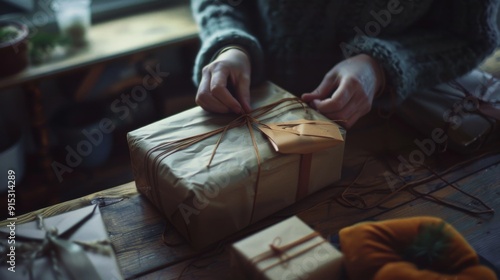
(399, 76)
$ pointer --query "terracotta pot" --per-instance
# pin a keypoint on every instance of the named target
(14, 53)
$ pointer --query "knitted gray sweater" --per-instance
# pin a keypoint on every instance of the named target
(420, 43)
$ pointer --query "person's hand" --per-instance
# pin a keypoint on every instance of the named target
(347, 91)
(230, 68)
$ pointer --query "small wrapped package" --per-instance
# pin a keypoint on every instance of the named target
(212, 175)
(288, 250)
(73, 245)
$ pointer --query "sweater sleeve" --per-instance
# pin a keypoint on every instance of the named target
(222, 23)
(453, 39)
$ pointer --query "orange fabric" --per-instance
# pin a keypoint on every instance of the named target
(372, 251)
(406, 270)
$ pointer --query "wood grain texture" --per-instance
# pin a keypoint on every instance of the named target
(123, 191)
(482, 231)
(135, 228)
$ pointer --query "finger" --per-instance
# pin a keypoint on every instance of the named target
(338, 101)
(218, 88)
(205, 99)
(329, 83)
(203, 90)
(243, 93)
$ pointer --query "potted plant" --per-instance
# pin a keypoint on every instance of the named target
(13, 47)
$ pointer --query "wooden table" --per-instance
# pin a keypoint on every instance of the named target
(136, 228)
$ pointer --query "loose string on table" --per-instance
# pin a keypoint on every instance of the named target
(346, 197)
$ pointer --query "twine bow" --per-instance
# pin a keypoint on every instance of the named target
(482, 103)
(280, 251)
(299, 136)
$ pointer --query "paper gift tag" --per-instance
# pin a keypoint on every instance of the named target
(302, 136)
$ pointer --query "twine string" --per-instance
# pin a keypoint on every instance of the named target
(280, 251)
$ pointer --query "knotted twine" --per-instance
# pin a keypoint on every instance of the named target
(280, 251)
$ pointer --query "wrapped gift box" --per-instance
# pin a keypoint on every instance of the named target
(288, 250)
(84, 225)
(239, 187)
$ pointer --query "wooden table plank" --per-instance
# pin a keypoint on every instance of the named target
(481, 231)
(123, 191)
(135, 229)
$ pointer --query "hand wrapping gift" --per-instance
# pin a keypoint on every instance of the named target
(212, 175)
(412, 248)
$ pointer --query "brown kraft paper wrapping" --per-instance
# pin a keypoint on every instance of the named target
(206, 204)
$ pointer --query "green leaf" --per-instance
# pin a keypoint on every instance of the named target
(8, 33)
(429, 245)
